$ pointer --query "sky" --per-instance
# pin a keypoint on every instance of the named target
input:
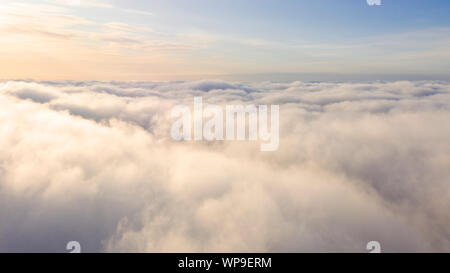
(232, 40)
(88, 91)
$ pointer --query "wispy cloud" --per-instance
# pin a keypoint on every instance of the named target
(82, 3)
(141, 12)
(200, 51)
(127, 28)
(58, 31)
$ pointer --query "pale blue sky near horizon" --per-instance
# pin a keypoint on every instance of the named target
(254, 37)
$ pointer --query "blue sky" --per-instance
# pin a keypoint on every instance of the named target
(204, 38)
(316, 19)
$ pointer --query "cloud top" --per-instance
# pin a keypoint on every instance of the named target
(94, 162)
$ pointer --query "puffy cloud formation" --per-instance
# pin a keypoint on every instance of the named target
(94, 162)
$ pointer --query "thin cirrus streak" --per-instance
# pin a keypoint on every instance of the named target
(94, 162)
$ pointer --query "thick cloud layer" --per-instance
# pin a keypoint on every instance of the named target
(94, 162)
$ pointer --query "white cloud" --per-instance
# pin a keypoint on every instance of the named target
(126, 28)
(140, 12)
(83, 3)
(94, 162)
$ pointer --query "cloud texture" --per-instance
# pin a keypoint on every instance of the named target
(94, 162)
